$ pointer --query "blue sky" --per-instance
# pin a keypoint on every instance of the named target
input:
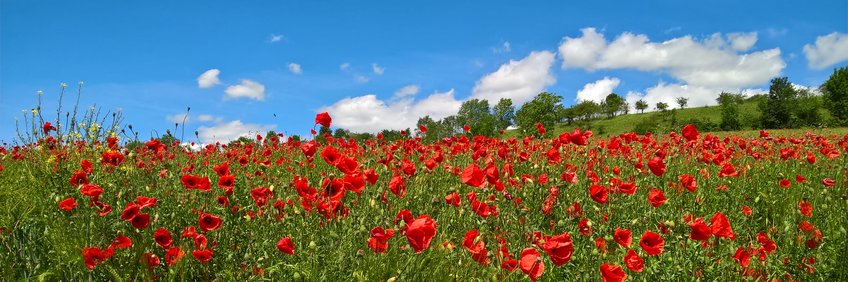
(293, 59)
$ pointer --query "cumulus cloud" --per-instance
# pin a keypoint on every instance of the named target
(368, 113)
(208, 118)
(209, 78)
(518, 80)
(378, 70)
(228, 131)
(828, 50)
(178, 118)
(246, 89)
(408, 90)
(597, 91)
(295, 68)
(716, 61)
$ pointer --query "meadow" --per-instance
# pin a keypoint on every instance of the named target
(685, 205)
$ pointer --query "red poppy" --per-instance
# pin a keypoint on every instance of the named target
(584, 227)
(784, 183)
(204, 255)
(628, 188)
(746, 210)
(612, 273)
(121, 242)
(208, 222)
(397, 185)
(633, 261)
(805, 208)
(477, 248)
(699, 230)
(141, 221)
(531, 263)
(472, 175)
(91, 190)
(420, 232)
(742, 257)
(598, 193)
(652, 243)
(130, 211)
(94, 256)
(379, 239)
(688, 182)
(163, 237)
(721, 226)
(67, 204)
(690, 132)
(323, 119)
(150, 259)
(623, 237)
(286, 245)
(827, 182)
(47, 127)
(453, 199)
(656, 198)
(559, 248)
(657, 166)
(172, 255)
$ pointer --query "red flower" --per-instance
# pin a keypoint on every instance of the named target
(141, 221)
(559, 248)
(633, 261)
(163, 237)
(204, 255)
(208, 222)
(420, 232)
(422, 128)
(67, 204)
(91, 190)
(612, 273)
(652, 243)
(47, 127)
(195, 182)
(130, 211)
(379, 239)
(473, 176)
(742, 257)
(690, 132)
(94, 256)
(150, 259)
(453, 199)
(784, 183)
(397, 185)
(699, 230)
(688, 182)
(531, 263)
(478, 250)
(598, 193)
(121, 242)
(656, 197)
(286, 245)
(323, 119)
(657, 166)
(805, 208)
(721, 226)
(827, 182)
(173, 255)
(623, 237)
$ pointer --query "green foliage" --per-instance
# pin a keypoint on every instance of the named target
(476, 114)
(835, 91)
(662, 106)
(641, 105)
(612, 104)
(777, 109)
(504, 113)
(682, 101)
(729, 103)
(545, 108)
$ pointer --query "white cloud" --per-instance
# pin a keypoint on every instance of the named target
(408, 90)
(597, 91)
(275, 38)
(228, 131)
(208, 118)
(828, 50)
(209, 78)
(713, 62)
(344, 66)
(247, 89)
(360, 78)
(178, 118)
(368, 113)
(378, 70)
(295, 68)
(518, 80)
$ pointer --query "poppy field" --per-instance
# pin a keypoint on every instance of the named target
(666, 207)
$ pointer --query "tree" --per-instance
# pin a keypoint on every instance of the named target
(835, 92)
(682, 101)
(569, 114)
(435, 130)
(587, 110)
(545, 108)
(777, 109)
(504, 113)
(475, 113)
(729, 104)
(641, 105)
(612, 104)
(624, 108)
(662, 106)
(806, 109)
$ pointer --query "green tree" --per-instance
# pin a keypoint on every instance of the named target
(806, 109)
(569, 114)
(641, 105)
(475, 113)
(504, 113)
(777, 110)
(587, 110)
(662, 106)
(682, 101)
(612, 104)
(545, 108)
(729, 104)
(835, 92)
(624, 108)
